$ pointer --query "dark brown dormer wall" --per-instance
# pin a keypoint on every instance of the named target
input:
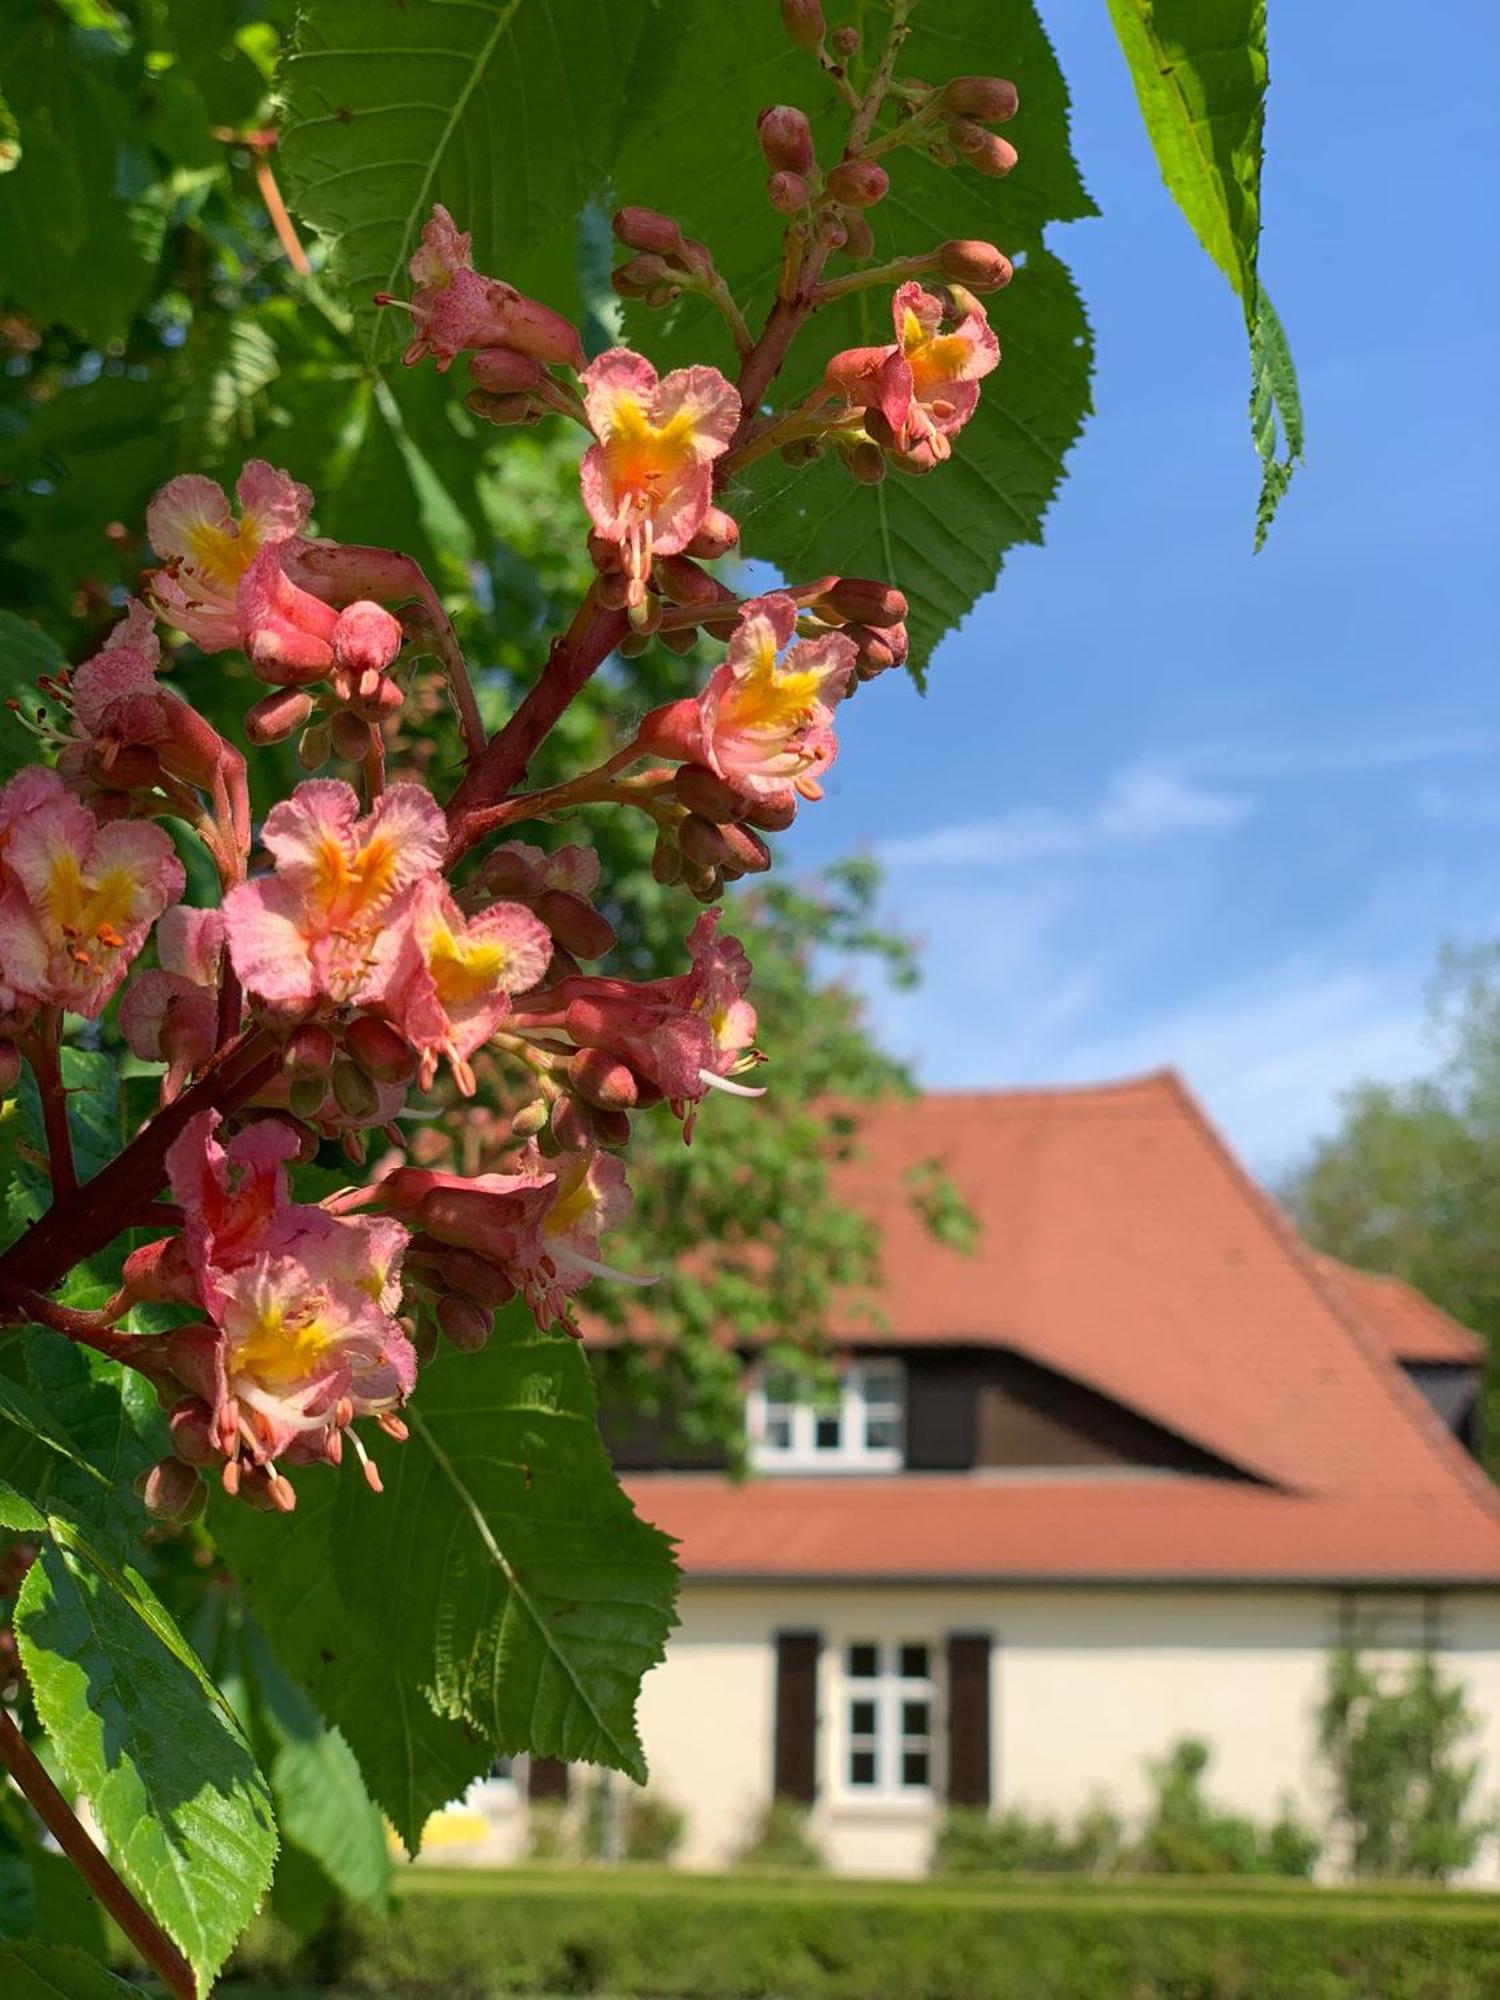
(990, 1408)
(1452, 1389)
(967, 1409)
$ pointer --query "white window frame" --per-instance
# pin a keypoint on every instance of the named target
(887, 1691)
(870, 1390)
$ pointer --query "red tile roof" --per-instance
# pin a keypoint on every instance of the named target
(1408, 1326)
(1121, 1244)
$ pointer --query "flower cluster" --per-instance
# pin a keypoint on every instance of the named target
(371, 944)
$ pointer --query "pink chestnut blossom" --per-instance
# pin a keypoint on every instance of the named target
(926, 387)
(455, 307)
(450, 985)
(647, 482)
(171, 1015)
(207, 552)
(327, 926)
(538, 1228)
(301, 1339)
(763, 724)
(680, 1037)
(77, 897)
(119, 706)
(227, 583)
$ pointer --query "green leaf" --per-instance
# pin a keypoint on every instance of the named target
(1199, 69)
(56, 1972)
(943, 538)
(322, 1806)
(142, 1733)
(25, 654)
(533, 1600)
(92, 1082)
(507, 113)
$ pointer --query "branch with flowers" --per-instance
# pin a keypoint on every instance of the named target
(370, 939)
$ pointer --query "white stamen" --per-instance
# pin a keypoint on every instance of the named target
(733, 1089)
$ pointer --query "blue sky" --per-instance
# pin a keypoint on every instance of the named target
(1169, 802)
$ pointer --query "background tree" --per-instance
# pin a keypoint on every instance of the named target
(1409, 1182)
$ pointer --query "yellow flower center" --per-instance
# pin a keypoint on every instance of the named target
(572, 1206)
(281, 1347)
(346, 888)
(641, 455)
(771, 698)
(932, 357)
(222, 555)
(465, 969)
(94, 909)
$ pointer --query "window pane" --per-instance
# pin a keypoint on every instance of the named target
(914, 1718)
(914, 1767)
(862, 1767)
(914, 1663)
(779, 1433)
(882, 1433)
(861, 1718)
(882, 1382)
(828, 1431)
(864, 1660)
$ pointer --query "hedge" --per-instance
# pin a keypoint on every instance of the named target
(665, 1937)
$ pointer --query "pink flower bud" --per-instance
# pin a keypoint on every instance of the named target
(647, 229)
(786, 139)
(717, 535)
(475, 1277)
(531, 1118)
(277, 716)
(684, 583)
(787, 193)
(379, 1050)
(313, 747)
(701, 840)
(639, 277)
(980, 265)
(704, 791)
(467, 1325)
(173, 1491)
(503, 371)
(986, 152)
(354, 1092)
(577, 925)
(604, 1080)
(744, 850)
(773, 815)
(672, 730)
(803, 21)
(310, 1050)
(859, 237)
(537, 330)
(502, 409)
(859, 183)
(191, 1428)
(865, 601)
(990, 99)
(866, 461)
(844, 42)
(157, 1272)
(350, 736)
(878, 649)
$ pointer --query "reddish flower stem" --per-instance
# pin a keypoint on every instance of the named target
(158, 1950)
(42, 1050)
(86, 1328)
(86, 1220)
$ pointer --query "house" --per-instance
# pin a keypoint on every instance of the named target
(1123, 1473)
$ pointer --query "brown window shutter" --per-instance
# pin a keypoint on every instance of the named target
(969, 1718)
(796, 1757)
(547, 1778)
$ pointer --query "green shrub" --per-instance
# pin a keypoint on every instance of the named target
(1185, 1834)
(972, 1842)
(779, 1838)
(662, 1937)
(648, 1826)
(547, 1830)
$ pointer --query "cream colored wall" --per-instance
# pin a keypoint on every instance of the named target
(1087, 1684)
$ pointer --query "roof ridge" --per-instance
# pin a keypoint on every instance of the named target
(1387, 1373)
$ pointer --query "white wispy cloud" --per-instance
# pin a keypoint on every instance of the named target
(1141, 804)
